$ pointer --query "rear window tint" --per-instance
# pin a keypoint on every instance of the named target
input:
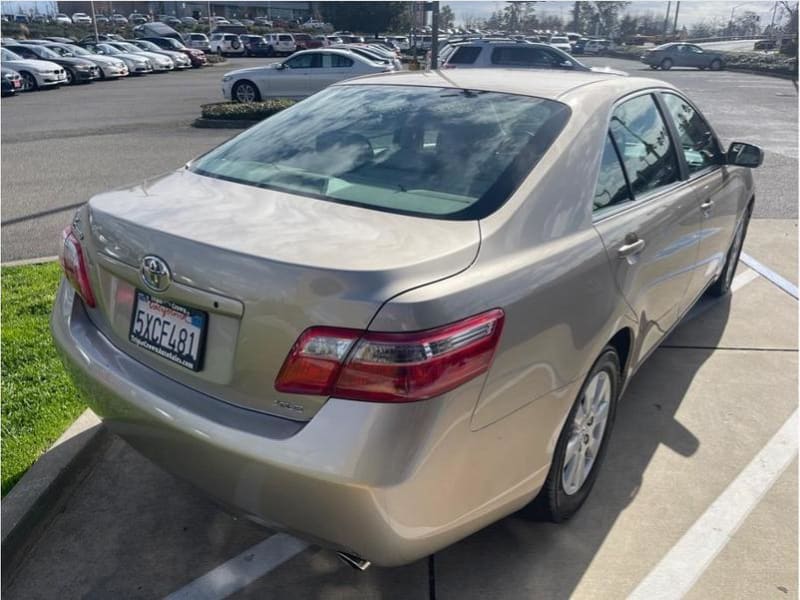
(285, 38)
(438, 152)
(465, 55)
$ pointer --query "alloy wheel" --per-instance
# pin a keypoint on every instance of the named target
(245, 92)
(586, 438)
(70, 77)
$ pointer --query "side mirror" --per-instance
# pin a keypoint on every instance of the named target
(745, 155)
(281, 66)
(566, 65)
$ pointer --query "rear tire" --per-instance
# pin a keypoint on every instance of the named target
(723, 283)
(582, 443)
(716, 64)
(666, 64)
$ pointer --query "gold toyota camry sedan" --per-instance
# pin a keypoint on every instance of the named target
(407, 306)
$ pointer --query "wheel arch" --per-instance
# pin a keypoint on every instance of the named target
(239, 82)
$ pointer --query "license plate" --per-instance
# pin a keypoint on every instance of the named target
(170, 330)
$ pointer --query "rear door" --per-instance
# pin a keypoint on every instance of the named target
(649, 224)
(335, 67)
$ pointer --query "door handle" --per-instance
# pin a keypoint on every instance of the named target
(633, 245)
(707, 206)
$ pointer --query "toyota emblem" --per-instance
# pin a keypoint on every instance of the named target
(155, 273)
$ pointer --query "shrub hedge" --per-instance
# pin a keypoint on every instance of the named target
(252, 111)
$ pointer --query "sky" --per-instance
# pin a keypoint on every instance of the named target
(691, 11)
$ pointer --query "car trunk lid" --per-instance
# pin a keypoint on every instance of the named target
(264, 265)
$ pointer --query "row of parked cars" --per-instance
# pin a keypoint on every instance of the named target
(50, 62)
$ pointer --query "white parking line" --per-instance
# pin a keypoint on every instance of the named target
(683, 565)
(241, 570)
(783, 283)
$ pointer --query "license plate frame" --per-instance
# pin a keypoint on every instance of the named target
(195, 322)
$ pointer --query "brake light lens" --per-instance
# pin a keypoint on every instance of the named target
(391, 367)
(74, 266)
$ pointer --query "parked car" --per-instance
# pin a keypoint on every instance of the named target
(189, 21)
(195, 56)
(137, 63)
(110, 67)
(301, 75)
(418, 313)
(303, 41)
(80, 18)
(561, 42)
(596, 46)
(150, 30)
(281, 43)
(35, 73)
(60, 40)
(313, 24)
(263, 21)
(118, 19)
(11, 81)
(159, 62)
(173, 21)
(678, 54)
(77, 70)
(180, 60)
(577, 46)
(137, 19)
(198, 41)
(101, 19)
(254, 45)
(527, 55)
(225, 43)
(372, 55)
(62, 19)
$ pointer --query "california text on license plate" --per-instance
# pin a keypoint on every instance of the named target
(170, 330)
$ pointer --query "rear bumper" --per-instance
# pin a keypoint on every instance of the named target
(390, 483)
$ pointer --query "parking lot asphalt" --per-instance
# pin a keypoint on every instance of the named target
(62, 146)
(694, 483)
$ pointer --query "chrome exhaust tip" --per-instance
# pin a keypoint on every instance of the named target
(354, 561)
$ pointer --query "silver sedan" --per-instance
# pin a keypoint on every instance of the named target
(405, 307)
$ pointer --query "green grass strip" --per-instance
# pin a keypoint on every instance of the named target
(38, 399)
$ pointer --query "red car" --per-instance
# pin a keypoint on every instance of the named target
(198, 57)
(305, 41)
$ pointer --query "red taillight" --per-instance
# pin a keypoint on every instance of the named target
(390, 367)
(74, 266)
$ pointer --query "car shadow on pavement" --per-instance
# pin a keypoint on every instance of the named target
(518, 557)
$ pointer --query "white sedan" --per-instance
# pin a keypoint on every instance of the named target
(35, 73)
(304, 74)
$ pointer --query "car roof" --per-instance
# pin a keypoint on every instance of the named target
(540, 83)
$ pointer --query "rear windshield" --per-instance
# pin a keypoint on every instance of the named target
(438, 152)
(285, 38)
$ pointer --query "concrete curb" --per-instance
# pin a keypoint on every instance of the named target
(204, 123)
(30, 504)
(29, 261)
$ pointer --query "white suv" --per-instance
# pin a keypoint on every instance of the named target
(225, 43)
(505, 54)
(280, 43)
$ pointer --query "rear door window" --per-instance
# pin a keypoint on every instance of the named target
(521, 56)
(465, 55)
(644, 143)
